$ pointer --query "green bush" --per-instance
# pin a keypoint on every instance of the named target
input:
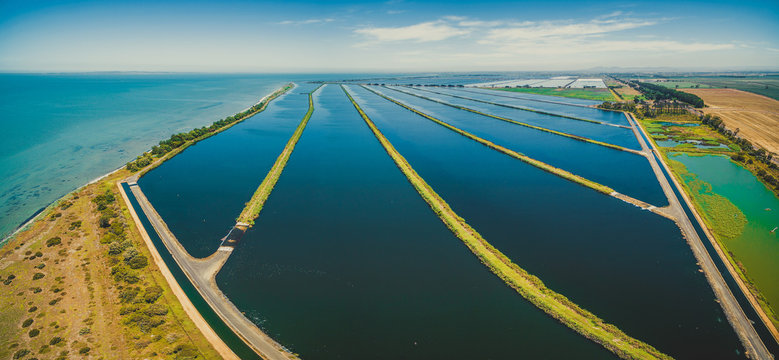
(21, 353)
(128, 294)
(55, 340)
(38, 275)
(152, 293)
(27, 323)
(156, 310)
(105, 221)
(115, 248)
(84, 350)
(34, 332)
(53, 241)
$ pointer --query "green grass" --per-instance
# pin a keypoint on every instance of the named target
(589, 94)
(528, 286)
(762, 85)
(681, 84)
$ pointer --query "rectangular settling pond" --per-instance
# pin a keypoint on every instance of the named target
(628, 266)
(625, 172)
(550, 104)
(200, 192)
(346, 261)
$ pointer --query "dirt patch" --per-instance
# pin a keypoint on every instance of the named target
(756, 116)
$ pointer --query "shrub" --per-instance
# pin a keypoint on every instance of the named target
(105, 221)
(27, 323)
(152, 293)
(55, 340)
(33, 309)
(129, 294)
(184, 351)
(84, 331)
(53, 241)
(38, 275)
(139, 261)
(75, 225)
(34, 332)
(40, 266)
(115, 248)
(156, 310)
(84, 350)
(21, 353)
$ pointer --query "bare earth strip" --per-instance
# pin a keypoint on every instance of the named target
(756, 116)
(527, 285)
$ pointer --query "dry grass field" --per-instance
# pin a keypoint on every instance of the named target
(756, 116)
(61, 299)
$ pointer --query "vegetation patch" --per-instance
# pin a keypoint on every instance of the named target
(588, 94)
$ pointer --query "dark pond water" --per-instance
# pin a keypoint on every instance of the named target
(609, 134)
(506, 97)
(625, 172)
(202, 191)
(346, 261)
(628, 266)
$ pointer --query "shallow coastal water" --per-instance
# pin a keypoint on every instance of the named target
(61, 131)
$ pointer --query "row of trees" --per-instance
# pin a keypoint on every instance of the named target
(643, 109)
(177, 140)
(658, 92)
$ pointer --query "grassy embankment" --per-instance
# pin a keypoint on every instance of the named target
(527, 285)
(541, 165)
(78, 283)
(254, 206)
(588, 94)
(179, 142)
(555, 132)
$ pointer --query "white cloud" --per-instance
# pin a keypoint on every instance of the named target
(306, 22)
(546, 30)
(422, 32)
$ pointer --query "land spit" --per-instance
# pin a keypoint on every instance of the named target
(754, 346)
(202, 272)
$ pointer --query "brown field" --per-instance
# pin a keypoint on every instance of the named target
(72, 309)
(756, 116)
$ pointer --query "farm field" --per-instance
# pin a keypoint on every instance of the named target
(756, 116)
(589, 94)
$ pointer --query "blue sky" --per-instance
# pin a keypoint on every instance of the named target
(395, 35)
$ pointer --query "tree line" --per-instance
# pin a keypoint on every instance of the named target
(658, 92)
(177, 140)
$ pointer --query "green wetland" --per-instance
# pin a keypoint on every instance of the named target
(346, 260)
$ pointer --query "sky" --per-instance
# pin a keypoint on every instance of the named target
(388, 36)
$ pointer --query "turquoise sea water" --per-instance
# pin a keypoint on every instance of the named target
(61, 131)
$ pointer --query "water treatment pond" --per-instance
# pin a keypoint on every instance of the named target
(200, 192)
(630, 267)
(625, 172)
(346, 261)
